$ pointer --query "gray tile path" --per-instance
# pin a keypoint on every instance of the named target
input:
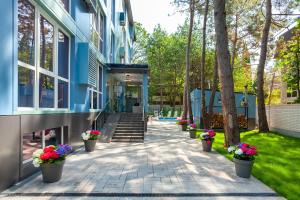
(169, 164)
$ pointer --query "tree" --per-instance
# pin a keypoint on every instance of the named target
(261, 108)
(232, 135)
(288, 59)
(203, 104)
(186, 95)
(139, 55)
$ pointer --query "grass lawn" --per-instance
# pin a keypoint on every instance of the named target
(278, 161)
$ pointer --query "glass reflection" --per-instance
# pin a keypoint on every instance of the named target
(25, 87)
(26, 32)
(63, 55)
(46, 44)
(46, 93)
(62, 94)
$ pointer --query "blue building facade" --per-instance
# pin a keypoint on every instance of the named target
(62, 63)
(247, 110)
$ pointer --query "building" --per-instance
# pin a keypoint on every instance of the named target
(63, 64)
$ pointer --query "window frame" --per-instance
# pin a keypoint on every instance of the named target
(98, 91)
(37, 69)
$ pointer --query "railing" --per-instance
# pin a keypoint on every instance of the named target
(102, 115)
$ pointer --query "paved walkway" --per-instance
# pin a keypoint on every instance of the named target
(169, 165)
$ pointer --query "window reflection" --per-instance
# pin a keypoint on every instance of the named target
(31, 142)
(46, 44)
(26, 32)
(66, 4)
(46, 93)
(62, 94)
(26, 87)
(95, 99)
(63, 55)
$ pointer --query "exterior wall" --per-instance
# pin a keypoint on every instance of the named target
(196, 105)
(284, 119)
(78, 117)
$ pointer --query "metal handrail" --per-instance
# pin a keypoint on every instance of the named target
(104, 109)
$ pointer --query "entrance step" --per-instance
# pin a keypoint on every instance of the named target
(130, 128)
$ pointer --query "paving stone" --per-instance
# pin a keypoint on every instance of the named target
(168, 162)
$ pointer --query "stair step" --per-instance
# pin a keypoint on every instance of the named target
(129, 134)
(128, 137)
(128, 140)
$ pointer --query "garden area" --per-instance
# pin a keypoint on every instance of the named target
(277, 163)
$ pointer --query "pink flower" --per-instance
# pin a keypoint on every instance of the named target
(251, 152)
(244, 145)
(244, 149)
(208, 142)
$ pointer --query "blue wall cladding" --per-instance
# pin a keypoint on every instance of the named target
(87, 65)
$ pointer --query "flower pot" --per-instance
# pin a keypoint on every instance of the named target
(206, 147)
(184, 127)
(90, 145)
(243, 168)
(52, 172)
(193, 134)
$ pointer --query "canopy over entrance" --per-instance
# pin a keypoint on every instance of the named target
(129, 87)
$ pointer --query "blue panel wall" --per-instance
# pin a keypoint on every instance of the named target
(196, 103)
(8, 64)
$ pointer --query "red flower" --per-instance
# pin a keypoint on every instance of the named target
(211, 134)
(208, 142)
(251, 152)
(48, 149)
(53, 155)
(45, 156)
(95, 132)
(244, 145)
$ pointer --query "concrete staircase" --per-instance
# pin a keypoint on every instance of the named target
(130, 128)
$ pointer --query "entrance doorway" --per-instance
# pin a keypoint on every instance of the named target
(133, 98)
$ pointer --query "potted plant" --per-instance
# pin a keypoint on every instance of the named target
(90, 138)
(192, 129)
(183, 123)
(51, 159)
(243, 158)
(207, 138)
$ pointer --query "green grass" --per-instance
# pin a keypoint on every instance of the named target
(278, 161)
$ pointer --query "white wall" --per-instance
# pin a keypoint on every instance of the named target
(284, 119)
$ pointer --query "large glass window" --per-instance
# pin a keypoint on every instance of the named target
(43, 76)
(46, 96)
(26, 31)
(63, 55)
(26, 87)
(46, 44)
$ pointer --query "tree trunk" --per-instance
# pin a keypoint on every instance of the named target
(203, 103)
(261, 107)
(213, 92)
(232, 135)
(234, 41)
(298, 69)
(186, 93)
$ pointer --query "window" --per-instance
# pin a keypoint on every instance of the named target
(26, 31)
(98, 31)
(112, 48)
(63, 58)
(46, 44)
(26, 87)
(65, 4)
(43, 60)
(39, 139)
(113, 11)
(96, 94)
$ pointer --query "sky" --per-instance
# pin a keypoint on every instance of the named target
(153, 12)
